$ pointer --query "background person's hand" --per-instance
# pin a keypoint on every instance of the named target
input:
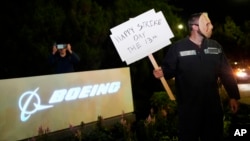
(69, 48)
(54, 49)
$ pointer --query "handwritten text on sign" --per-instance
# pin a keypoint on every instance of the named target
(141, 36)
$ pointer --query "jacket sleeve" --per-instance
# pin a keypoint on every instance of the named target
(228, 79)
(52, 59)
(75, 58)
(170, 62)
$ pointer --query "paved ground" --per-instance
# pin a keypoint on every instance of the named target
(242, 119)
(245, 93)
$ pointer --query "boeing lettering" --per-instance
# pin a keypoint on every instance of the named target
(84, 92)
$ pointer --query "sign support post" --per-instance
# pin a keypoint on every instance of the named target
(163, 80)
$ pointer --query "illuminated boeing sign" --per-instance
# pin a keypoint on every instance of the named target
(59, 100)
(26, 99)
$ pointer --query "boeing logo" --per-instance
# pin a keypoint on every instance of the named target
(30, 101)
(26, 99)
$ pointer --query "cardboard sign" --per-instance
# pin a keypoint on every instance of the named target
(141, 36)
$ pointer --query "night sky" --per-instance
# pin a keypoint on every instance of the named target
(217, 9)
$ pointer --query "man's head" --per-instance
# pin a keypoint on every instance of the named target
(202, 21)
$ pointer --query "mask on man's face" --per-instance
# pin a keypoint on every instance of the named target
(205, 25)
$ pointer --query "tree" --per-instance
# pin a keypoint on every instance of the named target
(244, 41)
(233, 38)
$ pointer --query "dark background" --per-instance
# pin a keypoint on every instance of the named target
(217, 9)
(30, 28)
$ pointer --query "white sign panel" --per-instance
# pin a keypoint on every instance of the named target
(57, 101)
(141, 36)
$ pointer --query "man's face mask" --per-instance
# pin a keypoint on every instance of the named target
(205, 25)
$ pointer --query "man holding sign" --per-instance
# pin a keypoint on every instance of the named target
(197, 63)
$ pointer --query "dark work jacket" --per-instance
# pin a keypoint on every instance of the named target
(196, 72)
(64, 64)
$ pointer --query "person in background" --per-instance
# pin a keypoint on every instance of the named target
(63, 59)
(197, 63)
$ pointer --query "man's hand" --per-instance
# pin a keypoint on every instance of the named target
(234, 105)
(158, 73)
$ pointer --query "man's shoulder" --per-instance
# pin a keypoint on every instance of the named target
(211, 40)
(212, 43)
(181, 42)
